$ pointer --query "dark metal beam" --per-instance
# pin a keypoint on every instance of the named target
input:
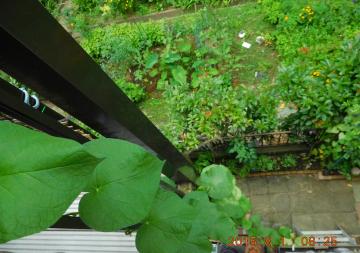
(37, 51)
(12, 105)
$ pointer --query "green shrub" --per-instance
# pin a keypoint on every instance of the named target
(87, 5)
(244, 153)
(191, 3)
(105, 7)
(116, 41)
(134, 91)
(320, 46)
(288, 161)
(205, 159)
(50, 5)
(265, 163)
(342, 147)
(216, 109)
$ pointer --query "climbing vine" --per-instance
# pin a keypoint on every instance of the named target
(41, 175)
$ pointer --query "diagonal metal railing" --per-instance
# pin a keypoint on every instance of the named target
(37, 51)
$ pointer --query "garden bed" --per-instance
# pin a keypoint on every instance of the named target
(258, 153)
(193, 76)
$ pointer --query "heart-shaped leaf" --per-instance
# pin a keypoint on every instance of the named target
(217, 180)
(179, 74)
(210, 221)
(167, 228)
(236, 205)
(123, 187)
(171, 57)
(151, 60)
(40, 176)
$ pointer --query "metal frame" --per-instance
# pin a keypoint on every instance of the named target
(12, 104)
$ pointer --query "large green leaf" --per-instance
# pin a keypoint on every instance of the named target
(236, 205)
(40, 176)
(123, 187)
(168, 226)
(217, 180)
(184, 46)
(151, 60)
(179, 74)
(171, 57)
(210, 221)
(195, 242)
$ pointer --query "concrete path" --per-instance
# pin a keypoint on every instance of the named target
(305, 202)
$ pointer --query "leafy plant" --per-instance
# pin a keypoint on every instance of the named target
(86, 5)
(119, 186)
(190, 63)
(205, 159)
(50, 5)
(102, 43)
(192, 3)
(39, 175)
(244, 153)
(342, 147)
(320, 46)
(265, 163)
(288, 161)
(134, 91)
(45, 174)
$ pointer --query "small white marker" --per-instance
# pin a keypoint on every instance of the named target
(241, 34)
(246, 45)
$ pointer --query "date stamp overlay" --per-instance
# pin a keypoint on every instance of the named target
(254, 244)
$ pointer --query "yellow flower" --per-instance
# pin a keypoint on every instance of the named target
(268, 43)
(286, 18)
(282, 105)
(316, 73)
(105, 8)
